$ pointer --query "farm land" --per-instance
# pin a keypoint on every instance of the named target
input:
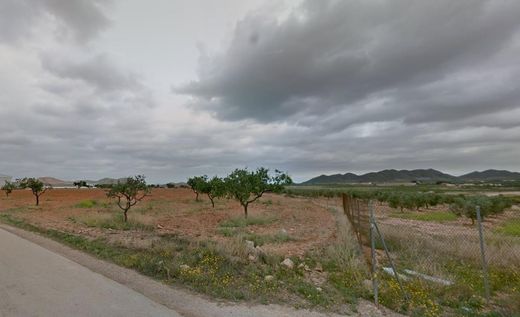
(292, 249)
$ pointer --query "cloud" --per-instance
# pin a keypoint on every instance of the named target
(413, 61)
(80, 20)
(98, 71)
(323, 87)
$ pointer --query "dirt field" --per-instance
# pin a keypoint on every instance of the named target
(307, 225)
(329, 271)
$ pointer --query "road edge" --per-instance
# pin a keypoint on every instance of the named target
(182, 301)
(152, 289)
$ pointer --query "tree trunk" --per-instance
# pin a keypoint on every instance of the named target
(37, 200)
(212, 202)
(125, 215)
(245, 210)
(196, 197)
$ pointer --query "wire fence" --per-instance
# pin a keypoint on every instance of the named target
(429, 268)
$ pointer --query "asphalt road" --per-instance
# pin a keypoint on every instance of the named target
(37, 282)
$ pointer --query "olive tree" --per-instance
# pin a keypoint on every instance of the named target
(197, 184)
(467, 206)
(37, 187)
(247, 186)
(8, 188)
(129, 193)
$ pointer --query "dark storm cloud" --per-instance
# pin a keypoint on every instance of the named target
(81, 19)
(420, 60)
(333, 86)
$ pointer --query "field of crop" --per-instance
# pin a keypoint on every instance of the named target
(216, 251)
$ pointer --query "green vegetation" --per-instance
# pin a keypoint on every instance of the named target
(129, 193)
(37, 187)
(113, 222)
(460, 205)
(248, 186)
(224, 271)
(197, 183)
(438, 216)
(236, 227)
(88, 203)
(213, 188)
(8, 188)
(456, 260)
(511, 228)
(80, 184)
(467, 206)
(242, 185)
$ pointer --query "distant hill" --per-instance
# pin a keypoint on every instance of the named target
(55, 182)
(106, 181)
(420, 175)
(491, 175)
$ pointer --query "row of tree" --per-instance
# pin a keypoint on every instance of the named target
(36, 186)
(242, 185)
(467, 206)
(458, 204)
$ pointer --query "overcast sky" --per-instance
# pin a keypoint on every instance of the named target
(170, 89)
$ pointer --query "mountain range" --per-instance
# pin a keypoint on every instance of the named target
(419, 175)
(55, 182)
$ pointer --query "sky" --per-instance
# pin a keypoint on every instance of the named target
(171, 89)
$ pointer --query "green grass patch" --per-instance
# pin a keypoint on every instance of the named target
(510, 228)
(89, 203)
(437, 216)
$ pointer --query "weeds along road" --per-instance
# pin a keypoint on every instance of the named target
(37, 282)
(41, 277)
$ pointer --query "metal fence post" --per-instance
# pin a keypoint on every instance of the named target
(396, 275)
(483, 255)
(373, 254)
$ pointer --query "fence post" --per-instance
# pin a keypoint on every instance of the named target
(483, 255)
(373, 254)
(396, 275)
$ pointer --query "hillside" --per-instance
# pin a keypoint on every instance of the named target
(421, 175)
(55, 182)
(491, 175)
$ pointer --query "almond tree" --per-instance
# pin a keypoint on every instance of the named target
(8, 188)
(129, 193)
(37, 187)
(214, 188)
(247, 186)
(197, 184)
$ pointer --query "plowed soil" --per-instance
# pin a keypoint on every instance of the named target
(175, 211)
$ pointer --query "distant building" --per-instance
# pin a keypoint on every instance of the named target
(3, 179)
